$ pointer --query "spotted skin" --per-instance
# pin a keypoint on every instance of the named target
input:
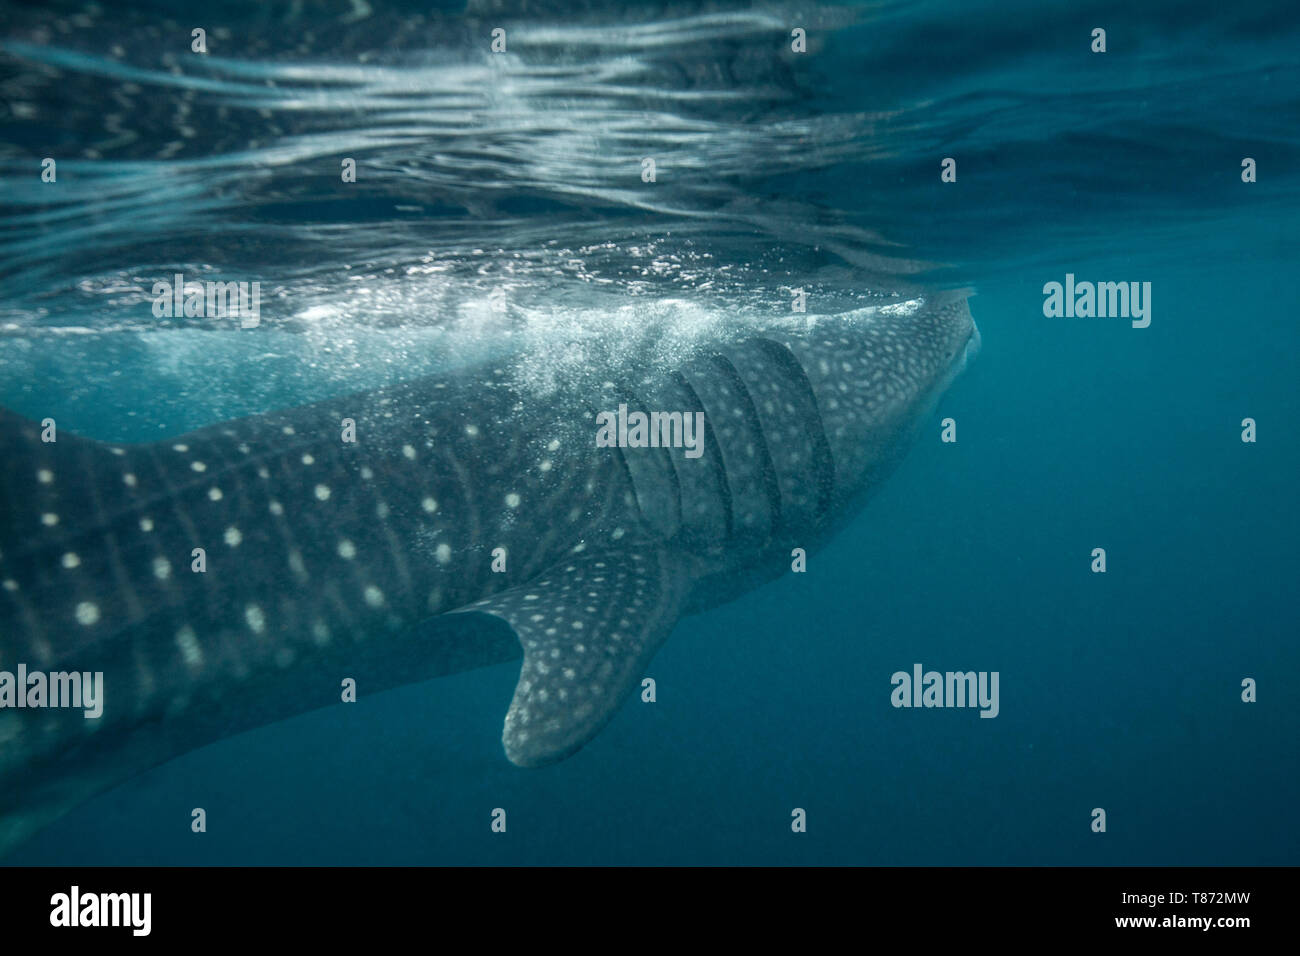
(326, 558)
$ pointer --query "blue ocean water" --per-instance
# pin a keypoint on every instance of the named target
(522, 172)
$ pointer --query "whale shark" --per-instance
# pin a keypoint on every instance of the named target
(243, 572)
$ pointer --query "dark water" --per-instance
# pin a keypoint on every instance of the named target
(521, 172)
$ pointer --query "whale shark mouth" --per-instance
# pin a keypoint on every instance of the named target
(967, 344)
(973, 345)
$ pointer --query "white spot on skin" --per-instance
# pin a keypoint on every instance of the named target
(512, 500)
(262, 472)
(256, 618)
(322, 493)
(70, 560)
(443, 553)
(429, 505)
(366, 473)
(181, 448)
(320, 633)
(214, 494)
(287, 429)
(296, 565)
(554, 444)
(10, 584)
(276, 508)
(129, 480)
(347, 550)
(162, 569)
(146, 525)
(233, 536)
(381, 510)
(198, 466)
(188, 642)
(87, 613)
(49, 519)
(45, 476)
(308, 460)
(408, 452)
(545, 465)
(374, 596)
(471, 431)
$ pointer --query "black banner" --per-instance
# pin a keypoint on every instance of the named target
(330, 906)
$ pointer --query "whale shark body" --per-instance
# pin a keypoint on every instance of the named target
(236, 575)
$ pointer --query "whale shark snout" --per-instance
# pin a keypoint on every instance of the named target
(950, 324)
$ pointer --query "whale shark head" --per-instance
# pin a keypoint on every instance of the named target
(804, 421)
(877, 375)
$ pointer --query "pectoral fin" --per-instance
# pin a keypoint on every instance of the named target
(588, 627)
